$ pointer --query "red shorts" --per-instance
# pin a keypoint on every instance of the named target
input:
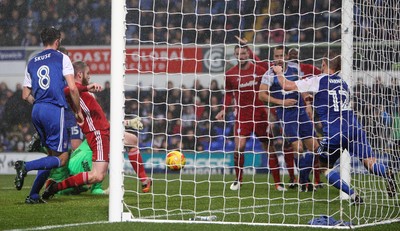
(259, 125)
(99, 142)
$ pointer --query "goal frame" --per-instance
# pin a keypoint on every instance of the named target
(118, 12)
(118, 43)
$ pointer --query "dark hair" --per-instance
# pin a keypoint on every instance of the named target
(281, 47)
(333, 60)
(241, 46)
(49, 35)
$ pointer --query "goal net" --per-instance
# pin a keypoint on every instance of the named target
(169, 60)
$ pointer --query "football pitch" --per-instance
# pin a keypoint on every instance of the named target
(256, 202)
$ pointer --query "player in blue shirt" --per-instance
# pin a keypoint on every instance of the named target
(341, 129)
(290, 106)
(44, 83)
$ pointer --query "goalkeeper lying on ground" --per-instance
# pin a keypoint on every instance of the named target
(81, 161)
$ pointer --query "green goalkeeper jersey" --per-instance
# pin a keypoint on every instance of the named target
(80, 161)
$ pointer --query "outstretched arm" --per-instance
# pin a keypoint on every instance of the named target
(134, 123)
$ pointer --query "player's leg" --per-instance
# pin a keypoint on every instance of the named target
(35, 145)
(308, 134)
(317, 172)
(238, 160)
(305, 162)
(131, 144)
(81, 161)
(99, 142)
(365, 153)
(263, 132)
(327, 161)
(359, 146)
(52, 133)
(288, 155)
(274, 168)
(313, 144)
(61, 173)
(292, 132)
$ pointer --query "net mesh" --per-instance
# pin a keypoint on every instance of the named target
(176, 58)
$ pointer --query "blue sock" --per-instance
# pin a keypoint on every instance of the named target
(304, 175)
(334, 179)
(305, 167)
(378, 169)
(48, 162)
(40, 179)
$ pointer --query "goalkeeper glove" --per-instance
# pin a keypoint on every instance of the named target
(135, 123)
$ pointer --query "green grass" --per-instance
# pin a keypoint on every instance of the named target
(255, 203)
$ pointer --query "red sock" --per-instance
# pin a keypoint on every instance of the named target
(274, 168)
(316, 170)
(289, 159)
(137, 164)
(238, 159)
(73, 181)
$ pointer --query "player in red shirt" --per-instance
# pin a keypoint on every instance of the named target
(305, 70)
(242, 83)
(97, 131)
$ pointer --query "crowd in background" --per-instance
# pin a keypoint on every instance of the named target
(378, 108)
(182, 117)
(88, 22)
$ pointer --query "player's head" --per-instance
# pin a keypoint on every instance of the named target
(51, 36)
(242, 54)
(280, 55)
(82, 74)
(331, 63)
(63, 50)
(293, 54)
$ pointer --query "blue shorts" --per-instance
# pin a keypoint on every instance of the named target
(48, 120)
(355, 141)
(298, 127)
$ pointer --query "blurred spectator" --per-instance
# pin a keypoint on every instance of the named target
(393, 92)
(16, 110)
(379, 91)
(186, 21)
(361, 97)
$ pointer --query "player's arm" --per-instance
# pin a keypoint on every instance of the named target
(68, 73)
(74, 93)
(81, 88)
(303, 85)
(252, 55)
(134, 123)
(286, 84)
(94, 87)
(265, 95)
(307, 97)
(227, 102)
(27, 95)
(27, 89)
(243, 42)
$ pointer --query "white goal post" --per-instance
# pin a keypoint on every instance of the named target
(118, 12)
(168, 64)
